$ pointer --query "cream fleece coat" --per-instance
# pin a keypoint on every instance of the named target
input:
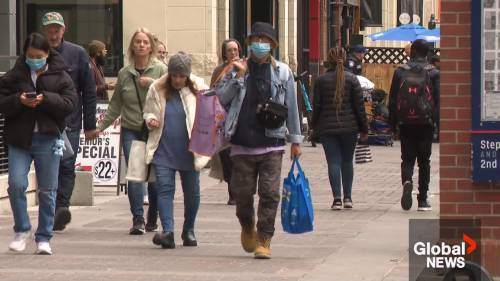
(154, 108)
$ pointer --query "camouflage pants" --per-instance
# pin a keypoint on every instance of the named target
(264, 171)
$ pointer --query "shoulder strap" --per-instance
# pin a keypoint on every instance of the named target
(144, 129)
(137, 91)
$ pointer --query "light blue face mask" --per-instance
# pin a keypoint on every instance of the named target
(260, 50)
(36, 64)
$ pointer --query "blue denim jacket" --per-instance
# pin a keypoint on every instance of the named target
(231, 91)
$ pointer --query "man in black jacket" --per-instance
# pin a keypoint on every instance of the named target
(354, 62)
(78, 64)
(416, 133)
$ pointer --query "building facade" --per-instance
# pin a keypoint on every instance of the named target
(197, 27)
(461, 198)
(389, 13)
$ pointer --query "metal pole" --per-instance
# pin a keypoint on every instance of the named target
(331, 23)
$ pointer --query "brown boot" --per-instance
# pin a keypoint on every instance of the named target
(249, 237)
(263, 250)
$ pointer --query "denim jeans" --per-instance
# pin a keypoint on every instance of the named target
(46, 169)
(339, 152)
(136, 189)
(67, 172)
(165, 184)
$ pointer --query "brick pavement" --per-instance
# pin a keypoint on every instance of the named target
(346, 245)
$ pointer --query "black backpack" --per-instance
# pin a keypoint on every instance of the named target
(415, 103)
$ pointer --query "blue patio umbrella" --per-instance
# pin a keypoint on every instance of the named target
(432, 35)
(407, 32)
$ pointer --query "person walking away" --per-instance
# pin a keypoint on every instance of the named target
(257, 144)
(338, 117)
(133, 83)
(354, 62)
(97, 53)
(36, 96)
(414, 97)
(77, 61)
(169, 112)
(231, 52)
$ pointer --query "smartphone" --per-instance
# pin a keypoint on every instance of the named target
(31, 95)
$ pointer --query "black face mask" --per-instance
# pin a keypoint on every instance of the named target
(100, 60)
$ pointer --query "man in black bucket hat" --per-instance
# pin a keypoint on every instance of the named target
(258, 144)
(263, 29)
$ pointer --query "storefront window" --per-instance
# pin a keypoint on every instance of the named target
(238, 21)
(243, 13)
(85, 21)
(410, 11)
(371, 12)
(8, 31)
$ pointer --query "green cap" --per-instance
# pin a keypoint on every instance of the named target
(53, 18)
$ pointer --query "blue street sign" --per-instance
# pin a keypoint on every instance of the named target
(485, 92)
(486, 157)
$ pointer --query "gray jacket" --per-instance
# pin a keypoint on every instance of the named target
(231, 91)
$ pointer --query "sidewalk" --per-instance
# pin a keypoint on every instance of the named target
(367, 243)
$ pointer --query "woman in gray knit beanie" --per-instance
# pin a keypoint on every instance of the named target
(180, 64)
(169, 113)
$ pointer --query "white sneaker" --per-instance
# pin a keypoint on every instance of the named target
(146, 200)
(19, 242)
(43, 248)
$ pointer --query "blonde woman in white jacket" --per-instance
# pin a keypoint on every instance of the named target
(169, 112)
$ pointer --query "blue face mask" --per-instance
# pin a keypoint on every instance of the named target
(260, 50)
(36, 64)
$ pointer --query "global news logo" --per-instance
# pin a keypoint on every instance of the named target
(445, 256)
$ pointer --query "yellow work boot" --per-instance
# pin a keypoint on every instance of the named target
(263, 250)
(249, 237)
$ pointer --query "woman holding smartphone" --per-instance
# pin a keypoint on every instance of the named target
(35, 98)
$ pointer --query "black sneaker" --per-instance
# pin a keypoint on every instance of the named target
(62, 218)
(347, 203)
(165, 240)
(424, 206)
(337, 204)
(138, 227)
(406, 199)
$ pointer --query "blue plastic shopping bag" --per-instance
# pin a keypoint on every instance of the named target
(297, 214)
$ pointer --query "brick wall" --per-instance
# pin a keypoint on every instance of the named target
(460, 198)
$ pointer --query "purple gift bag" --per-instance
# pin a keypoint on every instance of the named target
(207, 136)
